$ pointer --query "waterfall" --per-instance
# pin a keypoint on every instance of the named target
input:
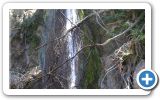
(72, 48)
(46, 35)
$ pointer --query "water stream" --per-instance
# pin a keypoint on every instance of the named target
(72, 16)
(72, 46)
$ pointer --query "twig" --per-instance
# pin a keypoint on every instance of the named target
(142, 28)
(124, 81)
(109, 70)
(14, 28)
(62, 85)
(97, 16)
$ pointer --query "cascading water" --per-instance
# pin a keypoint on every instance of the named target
(72, 48)
(45, 36)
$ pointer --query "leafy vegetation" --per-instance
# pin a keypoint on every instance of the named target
(29, 28)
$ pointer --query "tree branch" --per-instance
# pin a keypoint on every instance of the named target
(70, 58)
(124, 32)
(67, 31)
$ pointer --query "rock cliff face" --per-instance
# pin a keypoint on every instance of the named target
(121, 68)
(22, 41)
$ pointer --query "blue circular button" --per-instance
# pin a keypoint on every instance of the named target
(147, 79)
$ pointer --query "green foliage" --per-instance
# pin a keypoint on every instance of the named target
(119, 14)
(29, 28)
(137, 34)
(81, 14)
(138, 31)
(34, 40)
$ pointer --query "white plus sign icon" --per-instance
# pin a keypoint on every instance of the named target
(147, 79)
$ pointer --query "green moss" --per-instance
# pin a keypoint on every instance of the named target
(93, 67)
(93, 70)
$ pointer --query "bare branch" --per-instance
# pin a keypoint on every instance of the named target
(67, 31)
(70, 58)
(99, 18)
(124, 32)
(109, 70)
(142, 28)
(75, 25)
(14, 28)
